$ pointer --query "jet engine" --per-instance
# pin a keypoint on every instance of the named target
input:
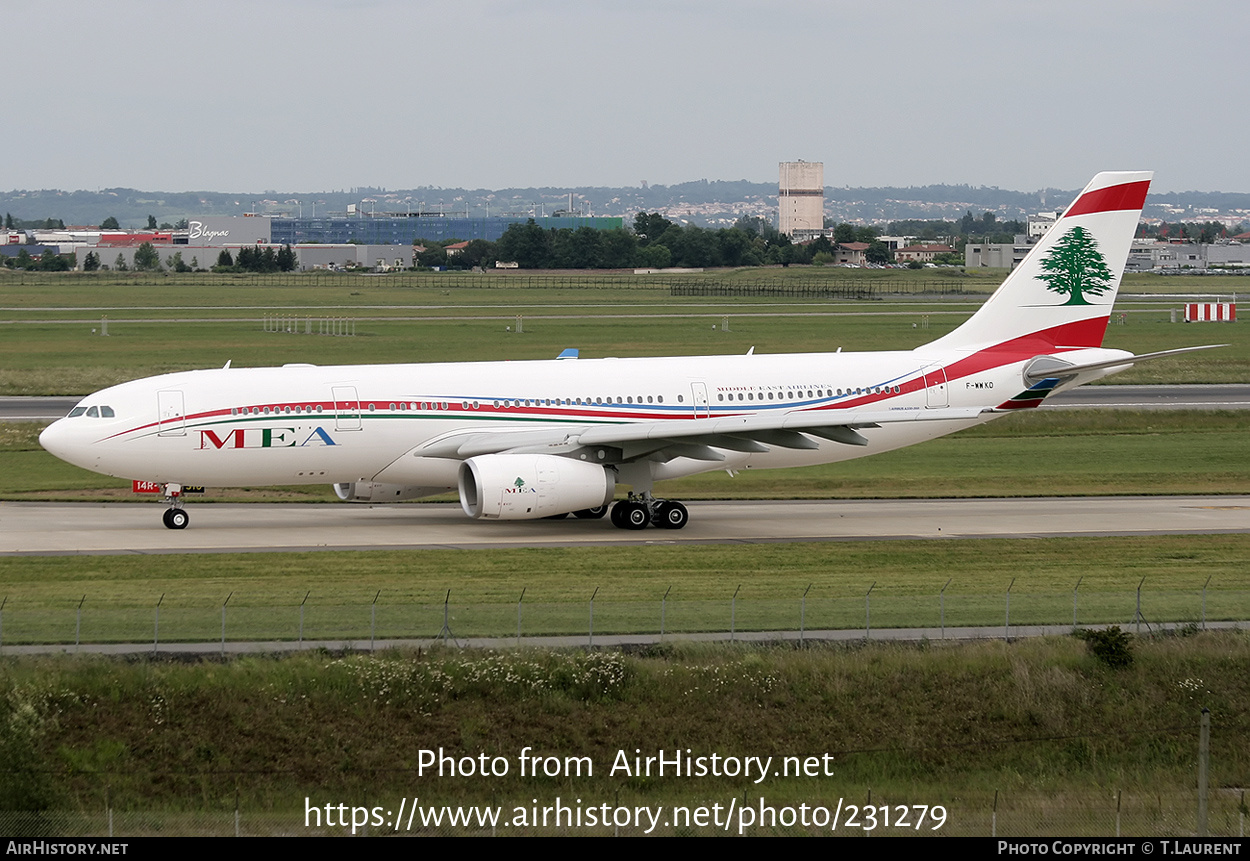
(530, 486)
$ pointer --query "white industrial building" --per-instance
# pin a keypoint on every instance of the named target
(801, 196)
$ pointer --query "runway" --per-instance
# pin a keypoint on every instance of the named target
(57, 529)
(1214, 397)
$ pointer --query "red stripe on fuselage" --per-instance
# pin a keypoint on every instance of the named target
(1130, 195)
(1069, 336)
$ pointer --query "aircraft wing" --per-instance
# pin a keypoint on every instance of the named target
(695, 438)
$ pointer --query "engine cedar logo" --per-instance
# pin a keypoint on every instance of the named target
(518, 486)
(265, 438)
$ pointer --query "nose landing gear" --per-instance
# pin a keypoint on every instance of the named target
(175, 517)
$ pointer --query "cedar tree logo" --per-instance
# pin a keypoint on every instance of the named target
(1074, 267)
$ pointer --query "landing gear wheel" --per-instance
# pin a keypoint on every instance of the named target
(176, 518)
(591, 513)
(617, 511)
(630, 515)
(671, 515)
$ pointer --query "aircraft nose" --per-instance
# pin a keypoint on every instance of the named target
(57, 439)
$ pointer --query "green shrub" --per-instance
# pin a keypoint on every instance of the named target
(1111, 646)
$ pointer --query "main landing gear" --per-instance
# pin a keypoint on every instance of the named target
(638, 511)
(175, 517)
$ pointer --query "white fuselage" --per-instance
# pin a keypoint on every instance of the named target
(305, 424)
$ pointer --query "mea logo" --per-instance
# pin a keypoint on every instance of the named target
(1075, 267)
(264, 438)
(518, 486)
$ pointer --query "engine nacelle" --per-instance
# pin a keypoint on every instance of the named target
(372, 491)
(530, 486)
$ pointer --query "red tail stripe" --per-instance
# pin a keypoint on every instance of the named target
(1130, 195)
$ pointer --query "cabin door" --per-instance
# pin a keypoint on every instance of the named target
(171, 413)
(346, 408)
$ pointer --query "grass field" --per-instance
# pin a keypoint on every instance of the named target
(1045, 727)
(164, 324)
(339, 590)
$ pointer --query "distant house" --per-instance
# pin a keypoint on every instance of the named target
(851, 253)
(921, 253)
(456, 247)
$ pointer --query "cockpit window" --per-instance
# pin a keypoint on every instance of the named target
(92, 412)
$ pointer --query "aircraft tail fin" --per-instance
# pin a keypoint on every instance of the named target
(1061, 294)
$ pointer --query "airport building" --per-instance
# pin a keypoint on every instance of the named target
(1148, 255)
(330, 242)
(405, 230)
(801, 196)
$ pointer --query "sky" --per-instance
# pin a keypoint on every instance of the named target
(319, 95)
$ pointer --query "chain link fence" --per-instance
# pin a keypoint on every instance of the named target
(99, 620)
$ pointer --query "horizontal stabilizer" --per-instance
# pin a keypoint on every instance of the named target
(1045, 367)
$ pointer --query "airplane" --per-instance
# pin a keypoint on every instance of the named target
(543, 439)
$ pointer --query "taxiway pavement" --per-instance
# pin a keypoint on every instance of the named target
(52, 529)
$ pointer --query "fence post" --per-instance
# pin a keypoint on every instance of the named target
(591, 640)
(156, 624)
(373, 619)
(301, 618)
(1138, 614)
(78, 624)
(942, 606)
(733, 614)
(1204, 771)
(803, 613)
(1074, 588)
(518, 615)
(223, 623)
(868, 610)
(2, 603)
(663, 608)
(1204, 601)
(1007, 619)
(445, 633)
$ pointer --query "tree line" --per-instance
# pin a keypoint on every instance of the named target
(655, 242)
